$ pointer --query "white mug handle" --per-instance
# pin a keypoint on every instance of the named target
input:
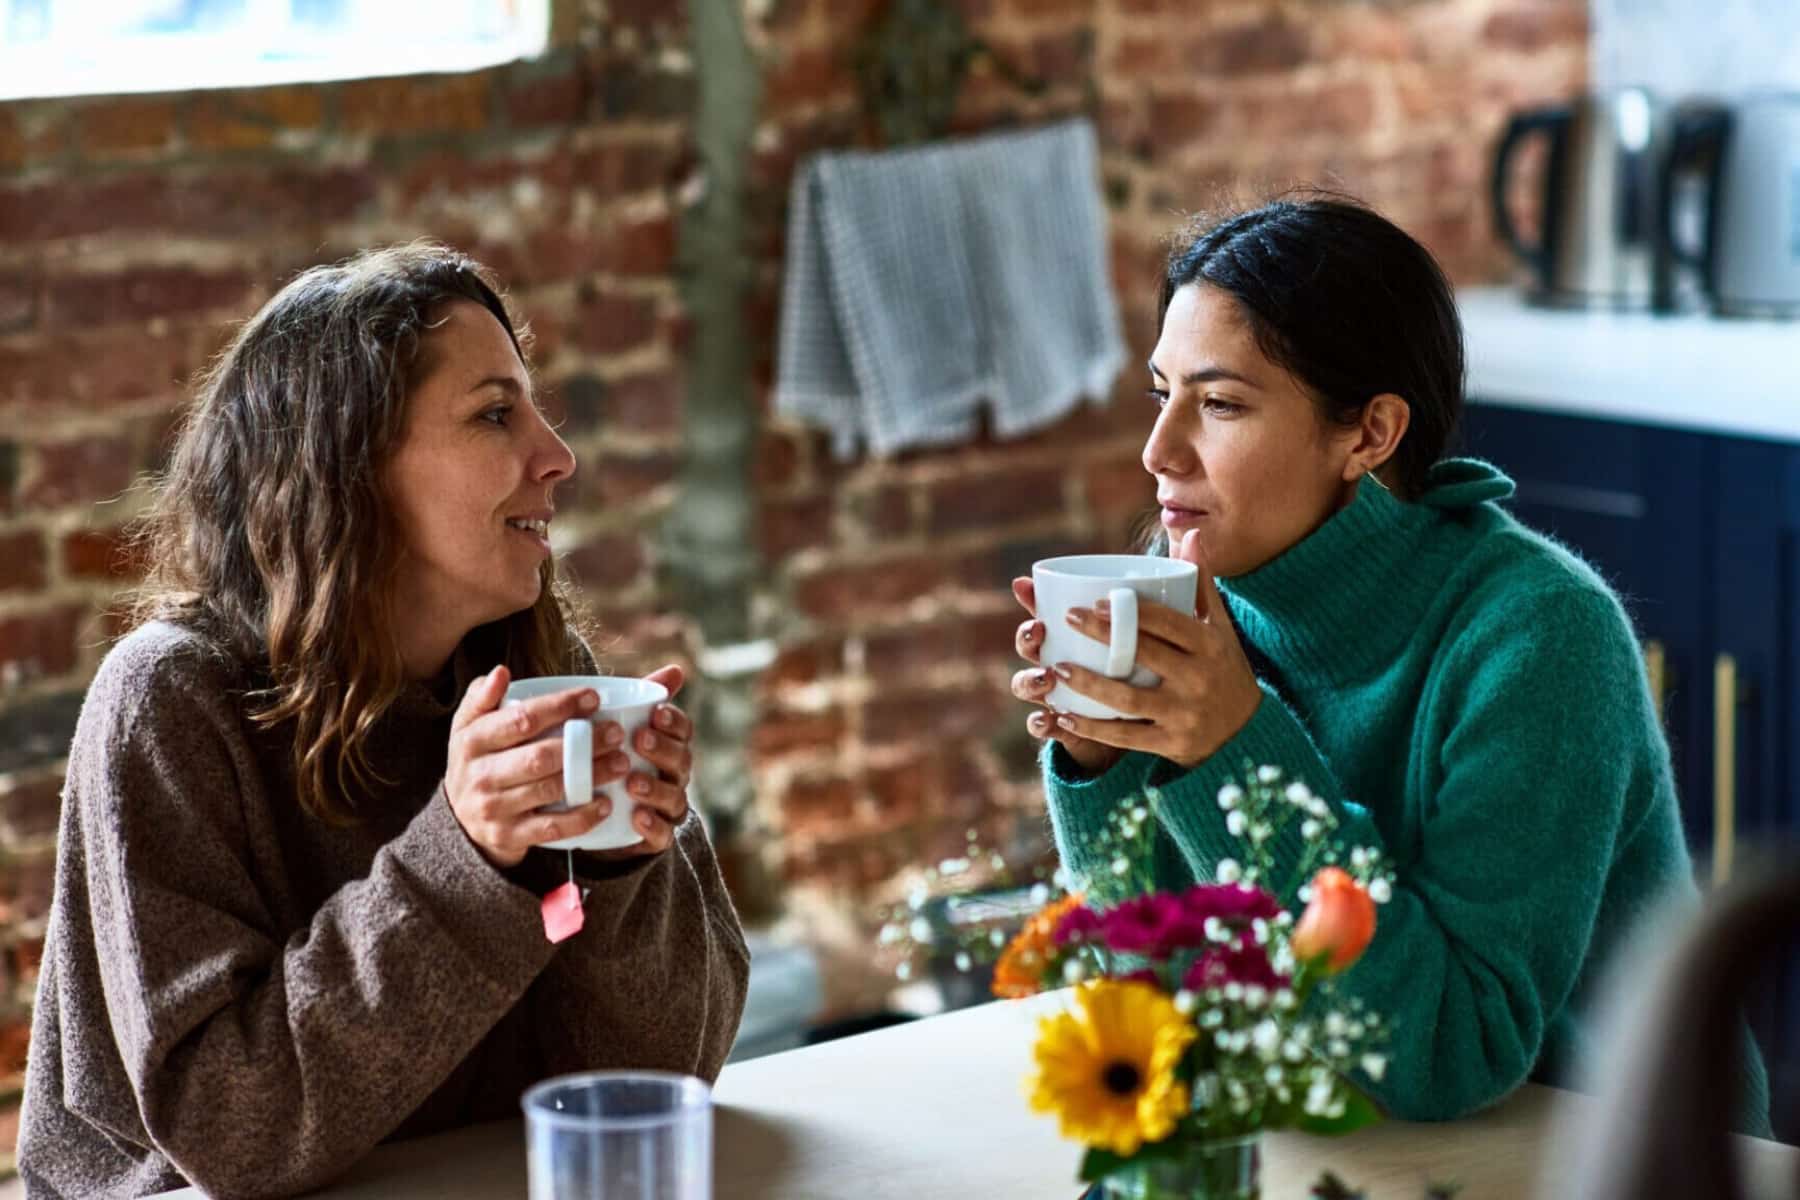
(578, 762)
(1121, 650)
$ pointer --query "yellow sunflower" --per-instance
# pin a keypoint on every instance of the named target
(1107, 1070)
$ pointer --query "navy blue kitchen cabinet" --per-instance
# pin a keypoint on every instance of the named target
(1700, 534)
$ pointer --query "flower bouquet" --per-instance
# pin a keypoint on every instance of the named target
(1201, 1017)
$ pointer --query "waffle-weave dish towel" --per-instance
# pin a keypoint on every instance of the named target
(923, 283)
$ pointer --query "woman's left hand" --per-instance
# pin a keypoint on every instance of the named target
(1208, 691)
(661, 798)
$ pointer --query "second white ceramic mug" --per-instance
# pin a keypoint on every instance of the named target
(625, 700)
(1079, 581)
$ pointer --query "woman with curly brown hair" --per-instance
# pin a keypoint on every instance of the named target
(296, 909)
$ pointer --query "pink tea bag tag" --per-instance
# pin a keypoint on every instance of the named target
(562, 911)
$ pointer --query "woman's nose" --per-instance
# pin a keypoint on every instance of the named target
(553, 459)
(1168, 451)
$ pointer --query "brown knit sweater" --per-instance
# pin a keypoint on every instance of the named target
(241, 997)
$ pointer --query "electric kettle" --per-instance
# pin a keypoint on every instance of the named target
(1749, 157)
(1600, 211)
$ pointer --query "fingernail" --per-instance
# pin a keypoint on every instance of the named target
(1062, 671)
(1065, 723)
(617, 762)
(640, 786)
(1076, 616)
(646, 740)
(613, 736)
(666, 718)
(1043, 677)
(588, 702)
(1102, 606)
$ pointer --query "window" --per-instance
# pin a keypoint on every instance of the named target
(81, 47)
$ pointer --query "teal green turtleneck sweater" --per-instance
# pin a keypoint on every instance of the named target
(1469, 698)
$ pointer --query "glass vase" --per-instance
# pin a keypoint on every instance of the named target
(1215, 1169)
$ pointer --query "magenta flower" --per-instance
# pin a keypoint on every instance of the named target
(1077, 925)
(1242, 962)
(1154, 926)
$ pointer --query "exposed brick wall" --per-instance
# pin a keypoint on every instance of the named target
(133, 230)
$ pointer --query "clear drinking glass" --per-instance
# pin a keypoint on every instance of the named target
(619, 1135)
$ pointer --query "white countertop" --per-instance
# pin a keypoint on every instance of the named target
(1718, 374)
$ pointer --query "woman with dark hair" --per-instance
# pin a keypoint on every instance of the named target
(296, 908)
(1464, 694)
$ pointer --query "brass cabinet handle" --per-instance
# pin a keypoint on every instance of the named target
(1725, 700)
(1656, 667)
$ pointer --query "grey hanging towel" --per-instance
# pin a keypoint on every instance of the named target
(923, 283)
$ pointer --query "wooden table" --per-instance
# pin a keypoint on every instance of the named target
(935, 1109)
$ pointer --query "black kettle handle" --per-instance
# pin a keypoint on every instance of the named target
(1696, 131)
(1550, 121)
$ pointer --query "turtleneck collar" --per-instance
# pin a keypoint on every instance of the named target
(1338, 604)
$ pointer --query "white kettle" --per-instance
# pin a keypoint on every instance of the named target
(1749, 254)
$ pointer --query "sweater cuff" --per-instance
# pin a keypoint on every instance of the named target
(1272, 737)
(1081, 804)
(496, 922)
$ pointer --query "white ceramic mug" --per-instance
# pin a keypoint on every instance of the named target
(624, 700)
(1081, 580)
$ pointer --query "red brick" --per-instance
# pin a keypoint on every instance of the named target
(941, 642)
(1175, 122)
(19, 302)
(858, 865)
(22, 561)
(787, 526)
(614, 169)
(14, 1038)
(414, 104)
(1118, 487)
(209, 205)
(644, 404)
(79, 472)
(995, 498)
(868, 588)
(1270, 43)
(25, 890)
(815, 807)
(1534, 26)
(610, 323)
(808, 75)
(26, 955)
(40, 643)
(559, 96)
(30, 806)
(9, 1126)
(805, 663)
(141, 293)
(643, 247)
(617, 478)
(778, 459)
(125, 126)
(252, 118)
(1052, 10)
(781, 734)
(608, 562)
(1060, 57)
(936, 715)
(886, 512)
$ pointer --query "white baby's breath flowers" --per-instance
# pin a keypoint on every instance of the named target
(1222, 1039)
(1186, 1002)
(1261, 832)
(1335, 1024)
(1284, 1000)
(1259, 929)
(1229, 870)
(903, 971)
(1311, 829)
(996, 938)
(1267, 1038)
(1319, 808)
(1283, 919)
(1272, 1075)
(1359, 858)
(1374, 1066)
(920, 929)
(1268, 774)
(1298, 793)
(890, 933)
(1293, 1051)
(917, 898)
(1215, 930)
(1074, 971)
(1235, 823)
(1212, 1018)
(1230, 796)
(1120, 865)
(1380, 891)
(1304, 894)
(1318, 1097)
(1040, 895)
(1234, 991)
(963, 960)
(1338, 1048)
(953, 866)
(1140, 814)
(1255, 995)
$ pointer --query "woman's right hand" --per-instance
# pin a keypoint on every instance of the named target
(1034, 685)
(498, 777)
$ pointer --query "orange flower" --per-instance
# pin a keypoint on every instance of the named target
(1338, 922)
(1020, 970)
